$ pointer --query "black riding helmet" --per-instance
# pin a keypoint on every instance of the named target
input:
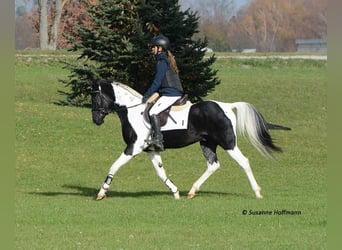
(160, 40)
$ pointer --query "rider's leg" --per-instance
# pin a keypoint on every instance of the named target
(162, 103)
(157, 136)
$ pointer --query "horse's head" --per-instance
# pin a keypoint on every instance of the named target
(108, 97)
(102, 101)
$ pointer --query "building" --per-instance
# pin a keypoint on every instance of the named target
(311, 45)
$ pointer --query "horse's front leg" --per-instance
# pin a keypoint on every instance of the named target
(123, 159)
(158, 166)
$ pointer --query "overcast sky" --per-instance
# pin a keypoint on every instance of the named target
(196, 4)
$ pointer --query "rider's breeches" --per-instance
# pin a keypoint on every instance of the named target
(163, 103)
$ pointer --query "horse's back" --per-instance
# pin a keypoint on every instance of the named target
(210, 111)
(209, 119)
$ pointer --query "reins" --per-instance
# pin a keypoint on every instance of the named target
(133, 106)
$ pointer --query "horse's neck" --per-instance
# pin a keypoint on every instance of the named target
(126, 96)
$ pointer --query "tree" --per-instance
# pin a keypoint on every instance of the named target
(106, 46)
(53, 19)
(48, 34)
(25, 37)
(74, 13)
(213, 23)
(310, 19)
(264, 21)
(114, 47)
(196, 73)
(270, 25)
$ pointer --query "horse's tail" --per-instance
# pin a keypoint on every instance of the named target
(251, 124)
(277, 127)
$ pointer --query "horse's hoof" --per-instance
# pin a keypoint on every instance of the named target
(258, 194)
(191, 196)
(176, 195)
(259, 197)
(100, 197)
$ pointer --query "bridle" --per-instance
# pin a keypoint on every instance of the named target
(99, 105)
(105, 98)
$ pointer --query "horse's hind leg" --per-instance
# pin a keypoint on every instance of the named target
(158, 166)
(244, 164)
(209, 153)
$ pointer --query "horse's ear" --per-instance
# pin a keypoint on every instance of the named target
(103, 81)
(95, 84)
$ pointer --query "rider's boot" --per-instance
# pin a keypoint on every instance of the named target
(157, 136)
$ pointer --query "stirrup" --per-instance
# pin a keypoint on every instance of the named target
(154, 146)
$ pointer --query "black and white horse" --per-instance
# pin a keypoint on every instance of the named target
(210, 123)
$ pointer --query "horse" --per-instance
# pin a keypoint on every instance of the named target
(211, 123)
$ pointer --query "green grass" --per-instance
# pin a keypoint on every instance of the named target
(62, 159)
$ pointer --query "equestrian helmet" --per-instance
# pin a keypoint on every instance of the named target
(160, 40)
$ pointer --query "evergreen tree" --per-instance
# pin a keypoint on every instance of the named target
(197, 76)
(115, 47)
(105, 46)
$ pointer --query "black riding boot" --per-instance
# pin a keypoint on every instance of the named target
(157, 136)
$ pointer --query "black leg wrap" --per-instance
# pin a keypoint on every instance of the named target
(108, 180)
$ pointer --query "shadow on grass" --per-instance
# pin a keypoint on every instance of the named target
(92, 192)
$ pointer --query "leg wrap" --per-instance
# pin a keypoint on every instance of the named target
(107, 182)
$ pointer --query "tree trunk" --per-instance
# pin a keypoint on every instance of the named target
(48, 39)
(54, 32)
(43, 24)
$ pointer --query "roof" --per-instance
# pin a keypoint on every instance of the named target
(311, 41)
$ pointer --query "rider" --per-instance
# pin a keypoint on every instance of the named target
(166, 82)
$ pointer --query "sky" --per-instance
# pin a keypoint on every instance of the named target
(196, 4)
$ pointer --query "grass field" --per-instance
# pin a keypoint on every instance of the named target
(62, 159)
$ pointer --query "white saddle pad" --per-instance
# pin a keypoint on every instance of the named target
(178, 119)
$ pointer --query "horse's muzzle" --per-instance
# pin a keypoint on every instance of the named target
(98, 122)
(98, 118)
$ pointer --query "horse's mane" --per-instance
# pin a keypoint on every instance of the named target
(129, 89)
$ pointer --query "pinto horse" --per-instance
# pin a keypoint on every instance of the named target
(210, 123)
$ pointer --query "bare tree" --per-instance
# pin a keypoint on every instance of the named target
(43, 24)
(49, 37)
(214, 20)
(271, 25)
(25, 35)
(53, 19)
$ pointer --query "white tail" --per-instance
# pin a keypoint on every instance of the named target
(252, 125)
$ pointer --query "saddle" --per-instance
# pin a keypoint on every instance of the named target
(180, 104)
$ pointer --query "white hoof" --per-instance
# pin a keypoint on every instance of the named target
(258, 194)
(191, 196)
(101, 195)
(192, 192)
(176, 195)
(259, 197)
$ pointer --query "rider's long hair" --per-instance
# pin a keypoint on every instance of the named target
(172, 61)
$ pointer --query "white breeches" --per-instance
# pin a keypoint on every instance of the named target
(163, 103)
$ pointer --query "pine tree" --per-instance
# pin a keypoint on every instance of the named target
(197, 76)
(106, 50)
(115, 47)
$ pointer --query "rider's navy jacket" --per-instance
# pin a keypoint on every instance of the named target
(161, 69)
